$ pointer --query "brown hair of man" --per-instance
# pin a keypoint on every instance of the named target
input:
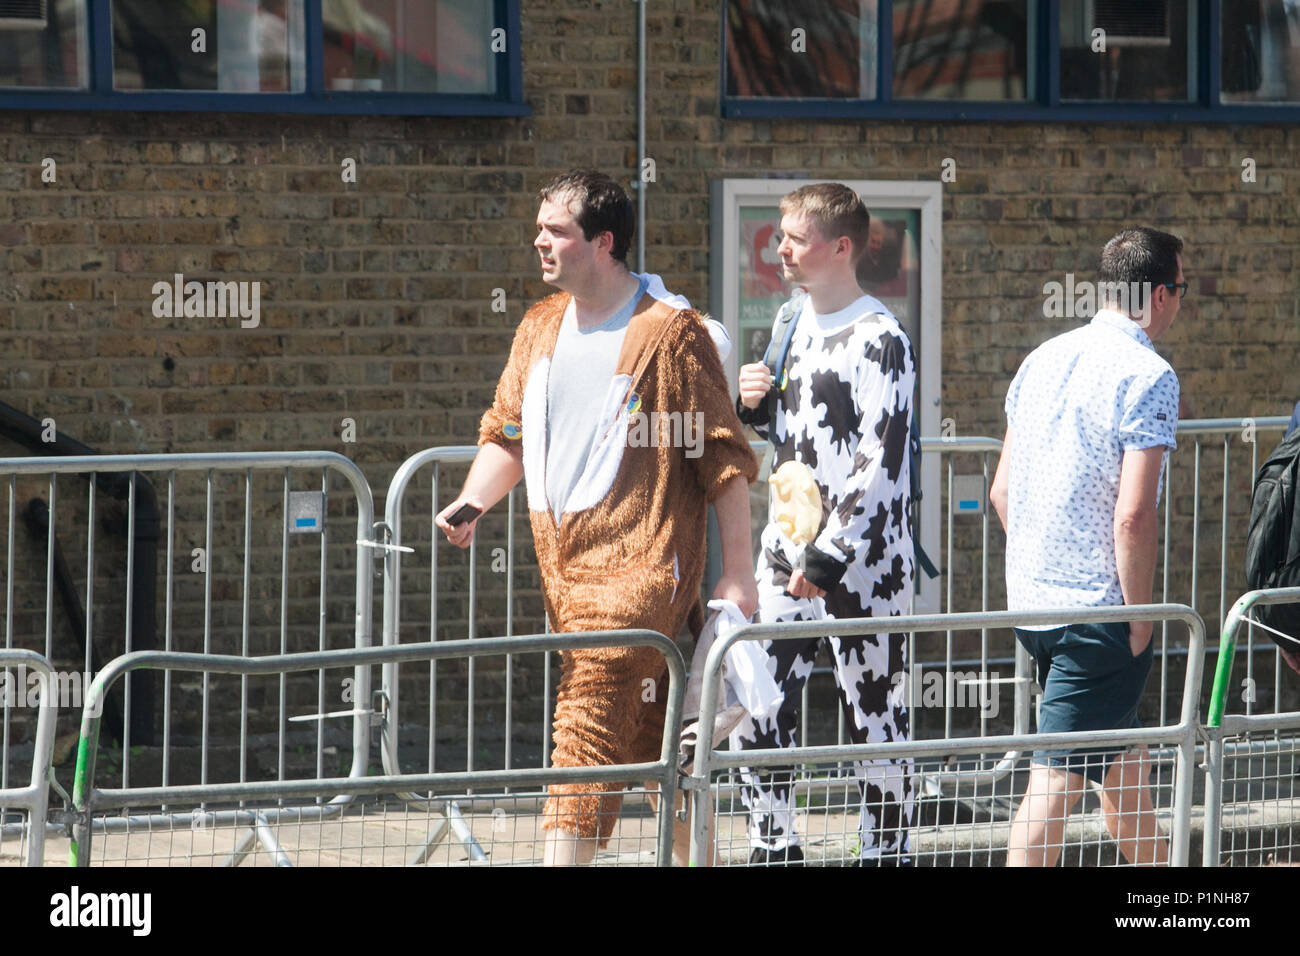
(834, 210)
(598, 203)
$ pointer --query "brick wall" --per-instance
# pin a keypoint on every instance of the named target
(376, 296)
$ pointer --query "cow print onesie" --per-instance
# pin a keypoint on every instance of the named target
(846, 414)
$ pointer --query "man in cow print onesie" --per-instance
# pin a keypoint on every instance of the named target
(845, 412)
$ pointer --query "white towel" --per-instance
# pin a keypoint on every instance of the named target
(717, 331)
(746, 678)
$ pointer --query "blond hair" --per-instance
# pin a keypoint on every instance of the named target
(834, 210)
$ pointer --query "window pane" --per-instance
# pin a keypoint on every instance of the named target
(961, 50)
(1144, 51)
(43, 43)
(249, 46)
(827, 49)
(410, 46)
(1261, 51)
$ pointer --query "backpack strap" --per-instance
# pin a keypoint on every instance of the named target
(778, 349)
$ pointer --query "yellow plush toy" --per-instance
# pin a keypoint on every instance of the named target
(796, 502)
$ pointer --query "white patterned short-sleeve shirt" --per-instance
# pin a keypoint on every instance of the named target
(1078, 402)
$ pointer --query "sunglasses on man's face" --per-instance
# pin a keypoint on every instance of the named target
(1180, 286)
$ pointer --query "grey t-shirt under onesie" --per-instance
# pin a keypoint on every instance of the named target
(582, 365)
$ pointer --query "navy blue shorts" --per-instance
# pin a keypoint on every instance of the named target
(1090, 681)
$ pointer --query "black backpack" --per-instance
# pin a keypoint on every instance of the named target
(1273, 543)
(778, 351)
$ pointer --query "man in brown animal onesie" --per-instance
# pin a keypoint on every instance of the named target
(614, 409)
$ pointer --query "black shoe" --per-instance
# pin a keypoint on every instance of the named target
(883, 861)
(790, 856)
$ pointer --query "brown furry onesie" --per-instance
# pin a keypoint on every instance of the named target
(628, 551)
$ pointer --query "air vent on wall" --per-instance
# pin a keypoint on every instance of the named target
(1132, 24)
(24, 14)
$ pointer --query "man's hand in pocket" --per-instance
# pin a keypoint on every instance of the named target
(1139, 636)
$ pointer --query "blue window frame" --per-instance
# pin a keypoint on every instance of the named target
(1035, 93)
(312, 96)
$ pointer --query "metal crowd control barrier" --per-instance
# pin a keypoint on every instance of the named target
(1232, 539)
(1022, 679)
(947, 448)
(458, 455)
(244, 607)
(257, 823)
(1173, 558)
(1181, 549)
(1181, 737)
(921, 670)
(390, 680)
(34, 797)
(1226, 432)
(1232, 536)
(1252, 760)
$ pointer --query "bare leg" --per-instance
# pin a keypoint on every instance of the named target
(1130, 814)
(568, 849)
(1039, 824)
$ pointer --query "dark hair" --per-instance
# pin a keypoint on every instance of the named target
(602, 206)
(834, 210)
(1139, 255)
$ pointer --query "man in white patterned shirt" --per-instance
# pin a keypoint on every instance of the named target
(1091, 417)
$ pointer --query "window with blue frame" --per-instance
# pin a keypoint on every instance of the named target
(411, 46)
(320, 56)
(1156, 60)
(969, 50)
(1261, 51)
(44, 44)
(826, 50)
(247, 46)
(1146, 56)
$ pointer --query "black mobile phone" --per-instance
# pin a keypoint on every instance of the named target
(464, 513)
